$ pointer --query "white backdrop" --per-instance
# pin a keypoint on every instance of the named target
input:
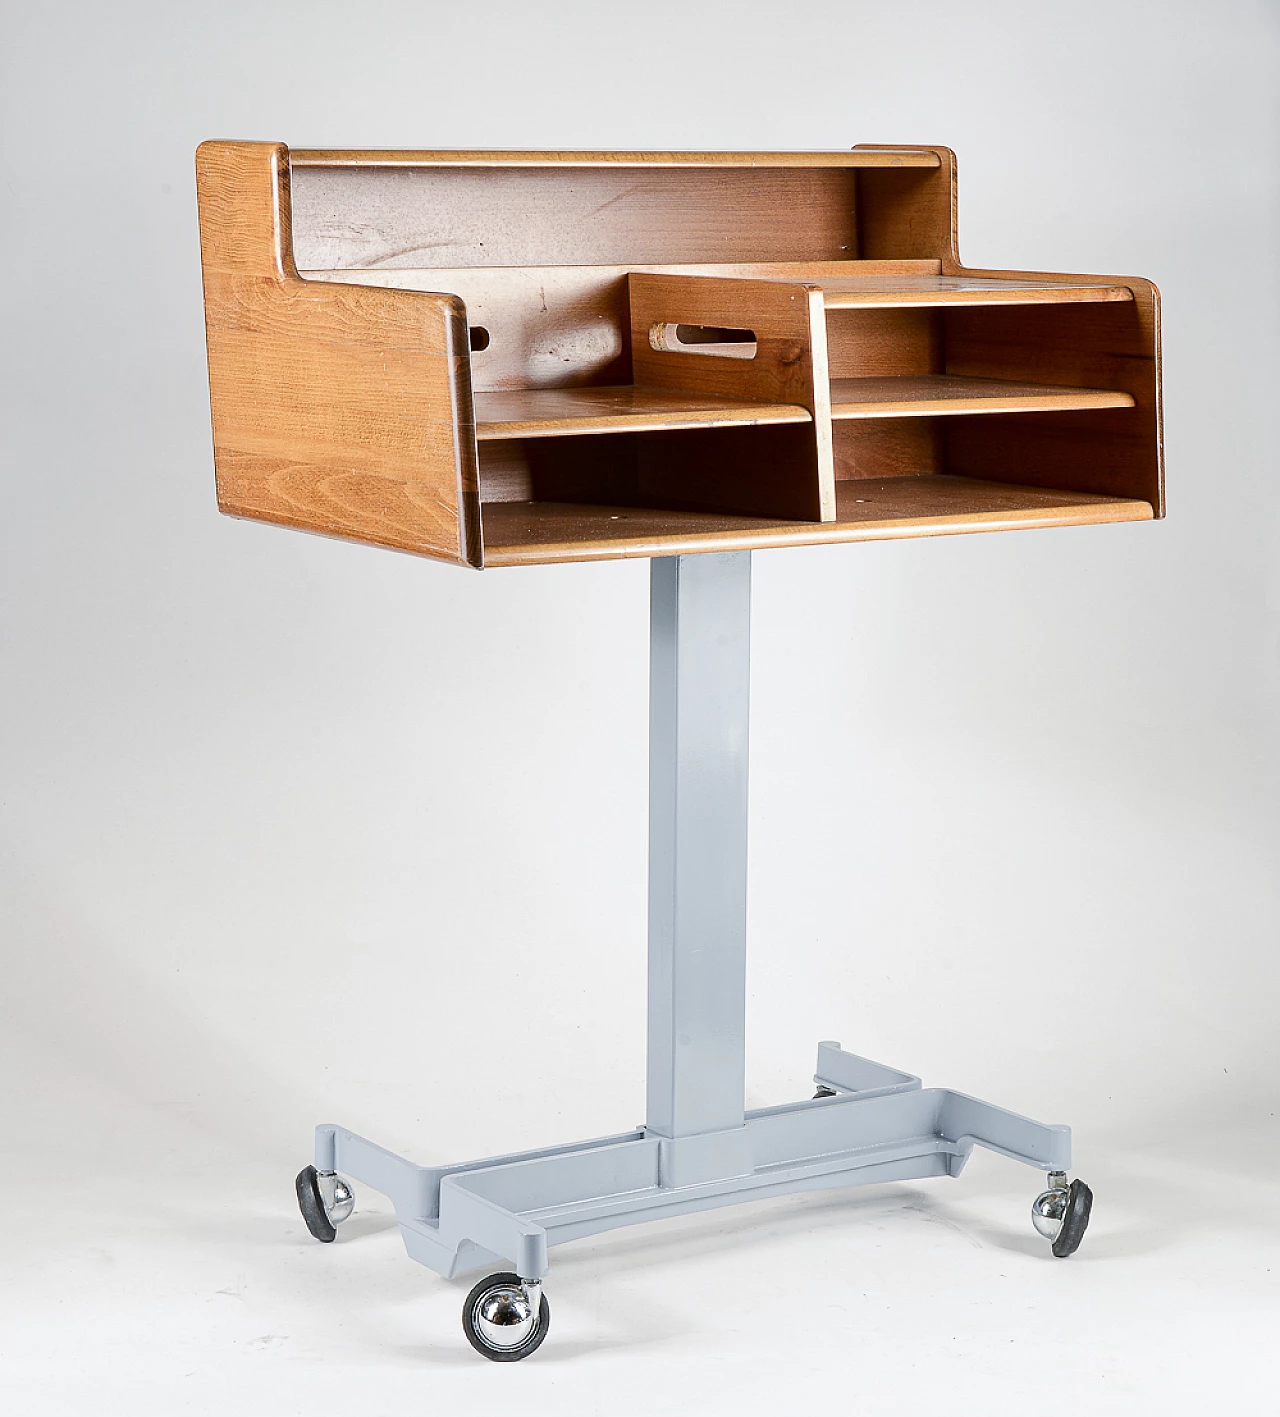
(294, 830)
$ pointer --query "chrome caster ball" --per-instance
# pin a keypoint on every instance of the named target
(325, 1201)
(1061, 1213)
(505, 1317)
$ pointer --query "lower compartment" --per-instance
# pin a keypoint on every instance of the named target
(753, 470)
(657, 493)
(867, 509)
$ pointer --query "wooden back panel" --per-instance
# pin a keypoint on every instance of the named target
(579, 216)
(562, 326)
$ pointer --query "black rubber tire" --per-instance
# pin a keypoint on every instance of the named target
(1076, 1220)
(502, 1355)
(312, 1207)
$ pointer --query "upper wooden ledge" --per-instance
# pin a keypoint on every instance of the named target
(408, 157)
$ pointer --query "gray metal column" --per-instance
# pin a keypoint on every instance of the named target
(699, 699)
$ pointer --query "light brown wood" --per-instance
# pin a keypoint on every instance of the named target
(1112, 346)
(525, 534)
(888, 447)
(507, 215)
(544, 413)
(891, 388)
(745, 471)
(865, 155)
(558, 326)
(894, 342)
(790, 367)
(904, 212)
(859, 292)
(602, 469)
(769, 471)
(337, 409)
(926, 395)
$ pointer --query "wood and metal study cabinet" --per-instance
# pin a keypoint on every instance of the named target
(517, 358)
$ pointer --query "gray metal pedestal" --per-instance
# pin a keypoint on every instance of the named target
(699, 1147)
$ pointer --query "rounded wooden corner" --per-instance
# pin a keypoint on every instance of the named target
(246, 211)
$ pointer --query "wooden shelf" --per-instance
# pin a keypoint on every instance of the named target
(474, 339)
(624, 408)
(880, 292)
(548, 413)
(867, 509)
(924, 395)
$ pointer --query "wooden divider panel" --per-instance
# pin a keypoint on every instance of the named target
(789, 472)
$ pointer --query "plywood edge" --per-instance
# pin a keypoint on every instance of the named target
(1139, 287)
(433, 278)
(729, 414)
(869, 156)
(926, 402)
(407, 546)
(1018, 291)
(824, 449)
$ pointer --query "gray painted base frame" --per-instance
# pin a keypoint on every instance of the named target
(699, 1146)
(881, 1125)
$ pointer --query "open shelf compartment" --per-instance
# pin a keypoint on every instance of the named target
(502, 358)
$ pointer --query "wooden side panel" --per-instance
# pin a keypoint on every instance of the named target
(1117, 452)
(906, 212)
(338, 409)
(794, 477)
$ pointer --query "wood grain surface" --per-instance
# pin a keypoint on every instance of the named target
(864, 155)
(336, 408)
(790, 367)
(524, 533)
(893, 391)
(557, 326)
(543, 413)
(925, 395)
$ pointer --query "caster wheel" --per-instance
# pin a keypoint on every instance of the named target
(325, 1201)
(1061, 1214)
(824, 1091)
(503, 1320)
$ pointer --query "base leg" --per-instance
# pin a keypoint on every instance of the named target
(880, 1126)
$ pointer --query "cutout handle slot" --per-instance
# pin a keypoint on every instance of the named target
(671, 338)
